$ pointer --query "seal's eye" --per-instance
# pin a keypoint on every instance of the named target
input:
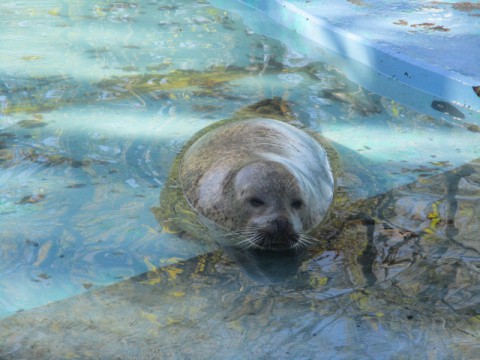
(297, 204)
(256, 202)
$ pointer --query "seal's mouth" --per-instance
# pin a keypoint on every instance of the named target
(278, 242)
(255, 238)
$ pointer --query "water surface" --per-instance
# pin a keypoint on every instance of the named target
(97, 98)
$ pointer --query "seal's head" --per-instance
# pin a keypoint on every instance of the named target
(267, 181)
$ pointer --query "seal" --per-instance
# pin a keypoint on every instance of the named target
(259, 185)
(262, 179)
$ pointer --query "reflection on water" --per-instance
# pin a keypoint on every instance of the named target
(264, 266)
(97, 97)
(324, 306)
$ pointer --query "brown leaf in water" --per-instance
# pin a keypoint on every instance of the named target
(401, 22)
(440, 28)
(31, 58)
(466, 6)
(29, 124)
(476, 89)
(31, 199)
(473, 128)
(431, 27)
(422, 25)
(76, 186)
(358, 3)
(441, 163)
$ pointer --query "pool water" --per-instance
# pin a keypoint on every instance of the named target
(97, 98)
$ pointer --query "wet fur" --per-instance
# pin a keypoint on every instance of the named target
(289, 159)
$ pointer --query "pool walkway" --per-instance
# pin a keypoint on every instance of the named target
(431, 46)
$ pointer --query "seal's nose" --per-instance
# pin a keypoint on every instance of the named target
(282, 224)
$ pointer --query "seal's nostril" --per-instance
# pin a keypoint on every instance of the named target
(282, 224)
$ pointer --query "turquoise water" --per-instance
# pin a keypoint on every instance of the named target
(96, 99)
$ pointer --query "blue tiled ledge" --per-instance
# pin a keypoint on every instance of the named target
(409, 50)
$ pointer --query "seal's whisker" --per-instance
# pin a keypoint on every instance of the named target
(307, 237)
(298, 245)
(240, 234)
(304, 241)
(250, 231)
(245, 243)
(251, 238)
(261, 240)
(255, 240)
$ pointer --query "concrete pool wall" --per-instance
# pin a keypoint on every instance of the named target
(425, 45)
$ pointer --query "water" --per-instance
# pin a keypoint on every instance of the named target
(97, 98)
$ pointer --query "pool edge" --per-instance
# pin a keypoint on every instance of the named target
(448, 85)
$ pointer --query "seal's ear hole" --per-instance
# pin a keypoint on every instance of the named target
(297, 204)
(256, 202)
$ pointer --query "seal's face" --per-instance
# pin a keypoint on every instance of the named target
(271, 206)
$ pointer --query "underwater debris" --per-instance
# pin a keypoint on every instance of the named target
(151, 83)
(473, 128)
(271, 108)
(31, 199)
(167, 7)
(5, 155)
(30, 124)
(122, 87)
(358, 102)
(128, 68)
(44, 276)
(401, 22)
(466, 6)
(476, 89)
(157, 67)
(359, 3)
(76, 186)
(447, 108)
(49, 160)
(205, 108)
(31, 58)
(430, 27)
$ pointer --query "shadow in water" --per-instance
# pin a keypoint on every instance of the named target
(264, 266)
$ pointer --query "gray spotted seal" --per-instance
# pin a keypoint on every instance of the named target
(261, 178)
(262, 182)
